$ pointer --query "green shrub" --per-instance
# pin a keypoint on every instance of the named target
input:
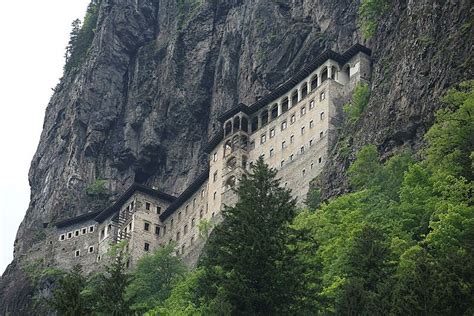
(360, 99)
(97, 188)
(370, 11)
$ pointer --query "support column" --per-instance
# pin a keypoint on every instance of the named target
(279, 108)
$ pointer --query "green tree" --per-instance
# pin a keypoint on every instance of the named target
(107, 290)
(370, 12)
(251, 258)
(67, 297)
(153, 278)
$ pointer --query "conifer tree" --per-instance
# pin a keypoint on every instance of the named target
(251, 260)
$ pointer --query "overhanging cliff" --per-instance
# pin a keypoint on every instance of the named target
(158, 73)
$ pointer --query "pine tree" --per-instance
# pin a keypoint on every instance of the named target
(251, 258)
(67, 298)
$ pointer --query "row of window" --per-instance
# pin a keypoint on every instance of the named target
(263, 137)
(77, 233)
(77, 253)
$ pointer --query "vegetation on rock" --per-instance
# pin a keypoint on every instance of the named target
(370, 12)
(81, 37)
(360, 99)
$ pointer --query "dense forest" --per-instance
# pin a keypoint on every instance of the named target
(401, 242)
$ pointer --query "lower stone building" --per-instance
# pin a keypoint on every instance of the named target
(292, 127)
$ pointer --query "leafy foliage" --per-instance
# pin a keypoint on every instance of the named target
(67, 297)
(153, 278)
(97, 189)
(81, 37)
(370, 11)
(360, 99)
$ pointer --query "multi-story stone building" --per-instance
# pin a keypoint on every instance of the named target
(292, 127)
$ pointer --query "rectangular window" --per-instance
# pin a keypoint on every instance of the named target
(311, 104)
(271, 152)
(194, 202)
(182, 249)
(172, 222)
(109, 228)
(304, 172)
(158, 210)
(186, 209)
(146, 247)
(310, 142)
(69, 235)
(84, 230)
(302, 130)
(185, 231)
(76, 233)
(200, 214)
(193, 221)
(283, 125)
(130, 226)
(311, 124)
(320, 160)
(215, 177)
(321, 116)
(91, 249)
(91, 229)
(302, 149)
(322, 96)
(215, 156)
(291, 157)
(215, 195)
(157, 230)
(147, 206)
(303, 111)
(102, 233)
(179, 216)
(292, 139)
(283, 145)
(292, 119)
(263, 139)
(312, 165)
(62, 237)
(146, 226)
(132, 205)
(164, 230)
(77, 253)
(321, 135)
(272, 132)
(202, 193)
(282, 163)
(178, 235)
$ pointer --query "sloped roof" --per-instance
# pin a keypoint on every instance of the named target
(190, 190)
(127, 194)
(290, 83)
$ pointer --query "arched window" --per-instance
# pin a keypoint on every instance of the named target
(228, 128)
(304, 90)
(344, 75)
(324, 74)
(294, 97)
(244, 142)
(254, 124)
(236, 123)
(284, 105)
(274, 111)
(230, 164)
(333, 72)
(244, 162)
(314, 82)
(244, 124)
(230, 183)
(264, 117)
(227, 148)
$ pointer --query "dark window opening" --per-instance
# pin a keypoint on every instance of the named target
(147, 226)
(147, 247)
(294, 97)
(274, 111)
(147, 206)
(284, 105)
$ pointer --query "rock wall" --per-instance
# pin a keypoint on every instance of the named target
(143, 103)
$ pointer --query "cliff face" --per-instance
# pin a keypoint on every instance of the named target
(143, 104)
